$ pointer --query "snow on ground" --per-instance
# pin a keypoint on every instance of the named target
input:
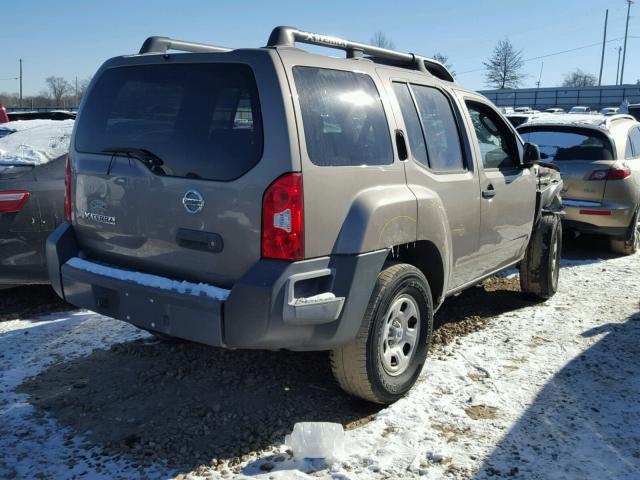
(37, 145)
(549, 391)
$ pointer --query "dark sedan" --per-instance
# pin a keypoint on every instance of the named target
(32, 168)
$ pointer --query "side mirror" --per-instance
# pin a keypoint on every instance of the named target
(531, 155)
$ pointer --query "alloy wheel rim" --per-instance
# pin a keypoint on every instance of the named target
(400, 335)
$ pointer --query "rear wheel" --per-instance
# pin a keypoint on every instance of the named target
(540, 268)
(632, 243)
(385, 359)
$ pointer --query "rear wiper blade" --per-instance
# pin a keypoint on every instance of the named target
(147, 157)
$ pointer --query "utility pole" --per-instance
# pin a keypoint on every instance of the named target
(626, 32)
(76, 90)
(618, 67)
(540, 75)
(20, 104)
(604, 42)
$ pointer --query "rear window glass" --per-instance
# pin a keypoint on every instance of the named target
(343, 117)
(564, 144)
(201, 120)
(634, 139)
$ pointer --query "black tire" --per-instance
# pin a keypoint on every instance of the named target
(359, 367)
(631, 244)
(540, 268)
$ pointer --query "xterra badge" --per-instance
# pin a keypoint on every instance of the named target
(97, 213)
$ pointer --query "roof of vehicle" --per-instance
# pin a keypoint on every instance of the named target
(19, 125)
(37, 145)
(287, 37)
(598, 121)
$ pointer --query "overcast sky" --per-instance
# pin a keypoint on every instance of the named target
(73, 37)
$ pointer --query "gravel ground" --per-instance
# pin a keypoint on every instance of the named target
(163, 408)
(30, 301)
(184, 401)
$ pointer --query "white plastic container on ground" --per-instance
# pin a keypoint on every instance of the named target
(316, 440)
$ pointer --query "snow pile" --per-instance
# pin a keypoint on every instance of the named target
(319, 298)
(20, 125)
(155, 281)
(45, 141)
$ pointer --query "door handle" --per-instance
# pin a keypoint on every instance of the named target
(490, 192)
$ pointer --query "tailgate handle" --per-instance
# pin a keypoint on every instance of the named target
(198, 240)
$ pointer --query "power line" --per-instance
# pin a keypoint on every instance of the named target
(556, 53)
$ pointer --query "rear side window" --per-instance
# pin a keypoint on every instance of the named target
(628, 151)
(202, 120)
(343, 118)
(412, 123)
(634, 138)
(562, 144)
(440, 129)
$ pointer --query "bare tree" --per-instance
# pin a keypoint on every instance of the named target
(444, 59)
(82, 87)
(504, 66)
(578, 78)
(58, 88)
(379, 39)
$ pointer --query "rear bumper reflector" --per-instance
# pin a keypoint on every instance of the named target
(595, 212)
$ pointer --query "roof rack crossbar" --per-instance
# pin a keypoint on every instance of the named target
(289, 36)
(162, 44)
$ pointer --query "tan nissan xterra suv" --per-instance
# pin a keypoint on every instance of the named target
(278, 199)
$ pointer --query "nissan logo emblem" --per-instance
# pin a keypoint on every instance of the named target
(193, 201)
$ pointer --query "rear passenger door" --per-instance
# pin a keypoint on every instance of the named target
(508, 191)
(440, 165)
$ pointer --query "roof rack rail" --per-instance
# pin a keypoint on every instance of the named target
(618, 116)
(288, 36)
(162, 44)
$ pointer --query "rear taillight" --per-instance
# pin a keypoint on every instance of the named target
(12, 201)
(612, 173)
(283, 219)
(67, 191)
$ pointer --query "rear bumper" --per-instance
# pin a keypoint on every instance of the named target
(601, 218)
(315, 304)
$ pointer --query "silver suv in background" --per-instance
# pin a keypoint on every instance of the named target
(274, 198)
(599, 160)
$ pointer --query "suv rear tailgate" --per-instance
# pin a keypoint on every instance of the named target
(215, 129)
